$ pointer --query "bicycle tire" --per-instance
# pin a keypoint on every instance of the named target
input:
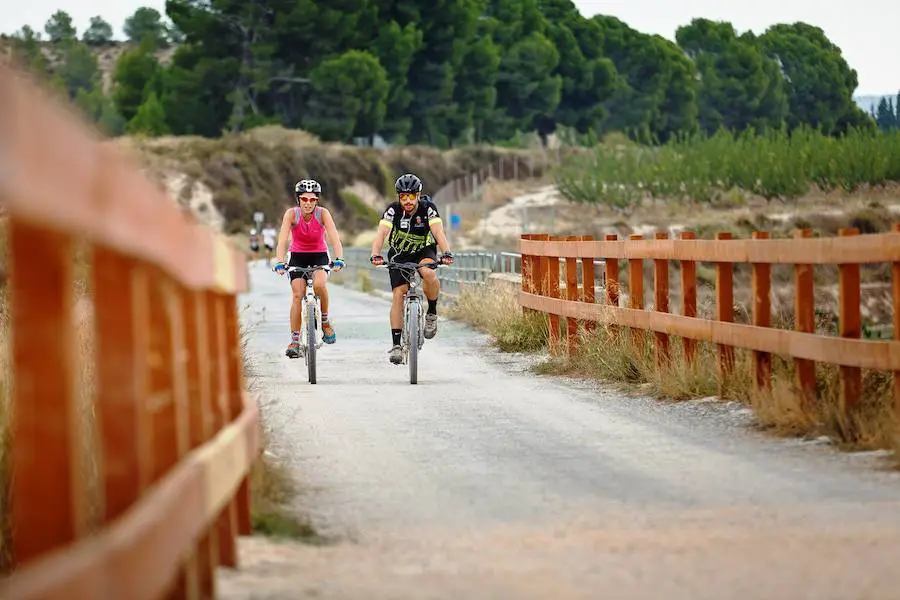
(412, 323)
(311, 340)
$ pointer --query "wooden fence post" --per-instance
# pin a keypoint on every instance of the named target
(539, 266)
(573, 296)
(661, 300)
(850, 324)
(539, 273)
(689, 297)
(762, 314)
(187, 584)
(724, 309)
(169, 431)
(236, 404)
(47, 493)
(201, 420)
(612, 275)
(895, 272)
(805, 321)
(227, 520)
(159, 393)
(527, 281)
(636, 292)
(122, 318)
(588, 282)
(554, 292)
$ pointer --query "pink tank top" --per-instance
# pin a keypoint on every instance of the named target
(308, 236)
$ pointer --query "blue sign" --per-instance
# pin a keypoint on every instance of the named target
(455, 221)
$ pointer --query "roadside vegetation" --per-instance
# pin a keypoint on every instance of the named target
(629, 361)
(272, 487)
(710, 170)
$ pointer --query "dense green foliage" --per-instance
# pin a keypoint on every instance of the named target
(773, 165)
(446, 73)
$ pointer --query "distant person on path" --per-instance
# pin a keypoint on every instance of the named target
(254, 243)
(308, 224)
(269, 235)
(414, 225)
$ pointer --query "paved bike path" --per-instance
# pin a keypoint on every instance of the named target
(487, 481)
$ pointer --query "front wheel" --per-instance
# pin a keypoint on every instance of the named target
(311, 340)
(412, 324)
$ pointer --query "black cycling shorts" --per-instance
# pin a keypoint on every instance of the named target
(307, 259)
(399, 277)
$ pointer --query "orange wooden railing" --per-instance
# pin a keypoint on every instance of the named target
(175, 432)
(541, 292)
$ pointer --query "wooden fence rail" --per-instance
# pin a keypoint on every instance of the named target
(175, 432)
(540, 292)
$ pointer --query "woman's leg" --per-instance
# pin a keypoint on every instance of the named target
(320, 285)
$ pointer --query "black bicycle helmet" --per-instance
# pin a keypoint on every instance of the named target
(408, 183)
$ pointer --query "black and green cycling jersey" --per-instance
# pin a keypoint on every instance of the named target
(411, 233)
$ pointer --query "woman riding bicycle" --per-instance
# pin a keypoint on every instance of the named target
(308, 224)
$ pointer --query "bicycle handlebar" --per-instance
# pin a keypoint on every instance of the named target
(409, 266)
(308, 269)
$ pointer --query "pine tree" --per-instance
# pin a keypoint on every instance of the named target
(150, 119)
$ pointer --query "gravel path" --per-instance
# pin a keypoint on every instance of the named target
(486, 481)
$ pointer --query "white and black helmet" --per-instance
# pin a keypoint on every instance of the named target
(307, 186)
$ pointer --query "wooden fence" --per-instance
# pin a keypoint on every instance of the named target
(176, 434)
(541, 292)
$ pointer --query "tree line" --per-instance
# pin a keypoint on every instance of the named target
(887, 114)
(445, 73)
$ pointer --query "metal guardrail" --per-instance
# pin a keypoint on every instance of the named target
(469, 268)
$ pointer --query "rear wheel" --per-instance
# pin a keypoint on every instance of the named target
(412, 323)
(311, 340)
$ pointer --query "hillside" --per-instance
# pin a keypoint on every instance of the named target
(224, 181)
(107, 55)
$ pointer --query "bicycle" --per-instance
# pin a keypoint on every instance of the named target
(311, 316)
(413, 315)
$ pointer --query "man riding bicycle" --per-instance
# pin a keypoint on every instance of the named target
(414, 225)
(308, 224)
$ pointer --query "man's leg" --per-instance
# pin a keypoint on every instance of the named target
(320, 285)
(399, 287)
(298, 290)
(431, 285)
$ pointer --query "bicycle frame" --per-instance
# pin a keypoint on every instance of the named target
(309, 297)
(415, 294)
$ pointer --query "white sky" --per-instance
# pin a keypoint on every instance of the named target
(855, 27)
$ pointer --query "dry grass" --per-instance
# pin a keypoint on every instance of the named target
(498, 314)
(630, 360)
(271, 486)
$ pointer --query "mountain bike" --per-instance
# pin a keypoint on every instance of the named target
(412, 337)
(311, 316)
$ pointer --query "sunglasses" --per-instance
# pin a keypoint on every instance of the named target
(405, 196)
(307, 200)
